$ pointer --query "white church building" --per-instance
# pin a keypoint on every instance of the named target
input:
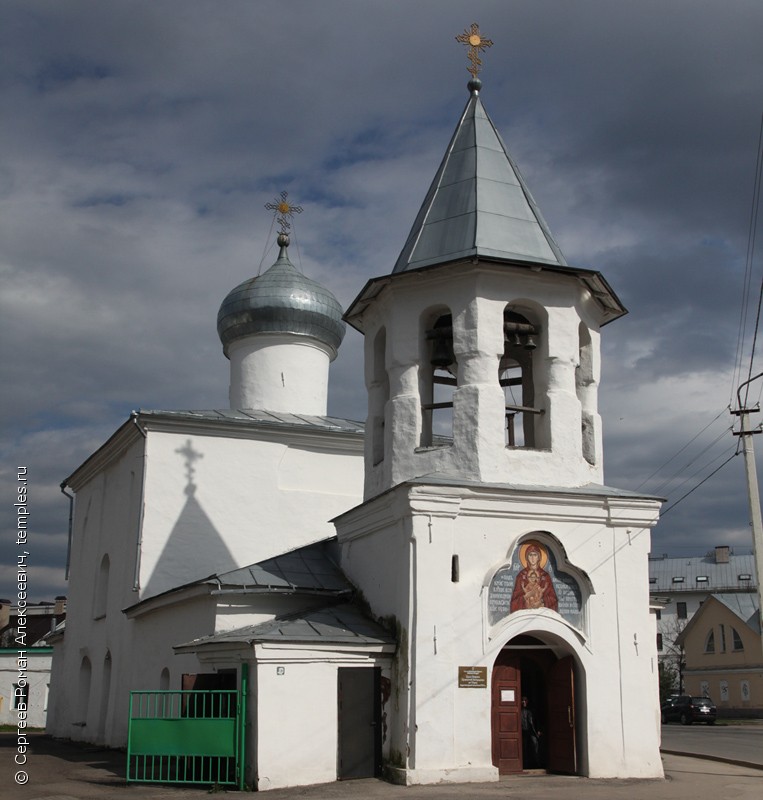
(384, 595)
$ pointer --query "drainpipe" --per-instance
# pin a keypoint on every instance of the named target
(139, 543)
(242, 725)
(71, 522)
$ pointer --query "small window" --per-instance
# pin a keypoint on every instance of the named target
(679, 579)
(658, 614)
(737, 644)
(681, 610)
(723, 638)
(21, 696)
(744, 577)
(652, 580)
(659, 642)
(701, 578)
(710, 642)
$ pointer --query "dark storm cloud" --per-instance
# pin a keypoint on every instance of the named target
(145, 137)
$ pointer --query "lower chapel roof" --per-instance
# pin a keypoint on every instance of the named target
(306, 569)
(341, 624)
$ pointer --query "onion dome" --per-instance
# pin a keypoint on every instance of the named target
(281, 301)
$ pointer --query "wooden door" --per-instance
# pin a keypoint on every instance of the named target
(506, 714)
(359, 696)
(561, 717)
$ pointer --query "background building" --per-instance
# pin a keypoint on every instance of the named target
(724, 653)
(685, 584)
(41, 620)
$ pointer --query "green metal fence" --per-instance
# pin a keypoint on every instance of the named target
(187, 737)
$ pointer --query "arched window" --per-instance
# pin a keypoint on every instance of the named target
(515, 375)
(83, 691)
(710, 642)
(438, 379)
(164, 680)
(101, 589)
(737, 643)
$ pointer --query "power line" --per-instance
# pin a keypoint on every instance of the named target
(752, 232)
(714, 472)
(675, 455)
(663, 487)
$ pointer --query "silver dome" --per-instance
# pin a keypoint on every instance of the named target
(282, 300)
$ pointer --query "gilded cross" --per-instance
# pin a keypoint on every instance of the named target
(476, 43)
(284, 211)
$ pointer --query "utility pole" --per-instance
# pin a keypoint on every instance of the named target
(753, 495)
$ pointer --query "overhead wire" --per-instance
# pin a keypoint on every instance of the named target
(666, 483)
(749, 259)
(675, 455)
(740, 347)
(696, 472)
(691, 491)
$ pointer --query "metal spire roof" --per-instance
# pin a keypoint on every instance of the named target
(478, 203)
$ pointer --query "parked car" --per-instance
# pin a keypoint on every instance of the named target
(686, 709)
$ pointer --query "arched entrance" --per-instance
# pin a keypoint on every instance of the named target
(526, 667)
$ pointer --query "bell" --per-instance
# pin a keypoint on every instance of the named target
(442, 351)
(517, 340)
(530, 344)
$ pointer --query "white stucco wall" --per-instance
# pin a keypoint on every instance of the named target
(446, 730)
(297, 712)
(280, 372)
(106, 523)
(247, 499)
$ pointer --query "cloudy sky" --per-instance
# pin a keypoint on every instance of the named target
(140, 140)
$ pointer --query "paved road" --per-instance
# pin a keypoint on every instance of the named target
(738, 743)
(66, 771)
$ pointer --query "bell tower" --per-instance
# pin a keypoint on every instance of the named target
(482, 346)
(486, 533)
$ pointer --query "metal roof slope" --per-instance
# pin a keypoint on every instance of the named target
(254, 416)
(478, 204)
(720, 577)
(745, 606)
(342, 624)
(310, 568)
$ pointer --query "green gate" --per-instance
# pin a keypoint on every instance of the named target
(189, 736)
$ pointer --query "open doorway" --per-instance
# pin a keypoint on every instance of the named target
(542, 734)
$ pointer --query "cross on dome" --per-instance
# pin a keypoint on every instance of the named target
(284, 211)
(476, 43)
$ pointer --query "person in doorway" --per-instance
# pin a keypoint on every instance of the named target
(530, 738)
(533, 587)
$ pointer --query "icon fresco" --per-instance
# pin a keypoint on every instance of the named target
(532, 582)
(533, 587)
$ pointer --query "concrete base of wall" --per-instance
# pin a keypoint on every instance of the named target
(413, 777)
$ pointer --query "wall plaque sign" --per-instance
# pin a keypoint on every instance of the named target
(472, 677)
